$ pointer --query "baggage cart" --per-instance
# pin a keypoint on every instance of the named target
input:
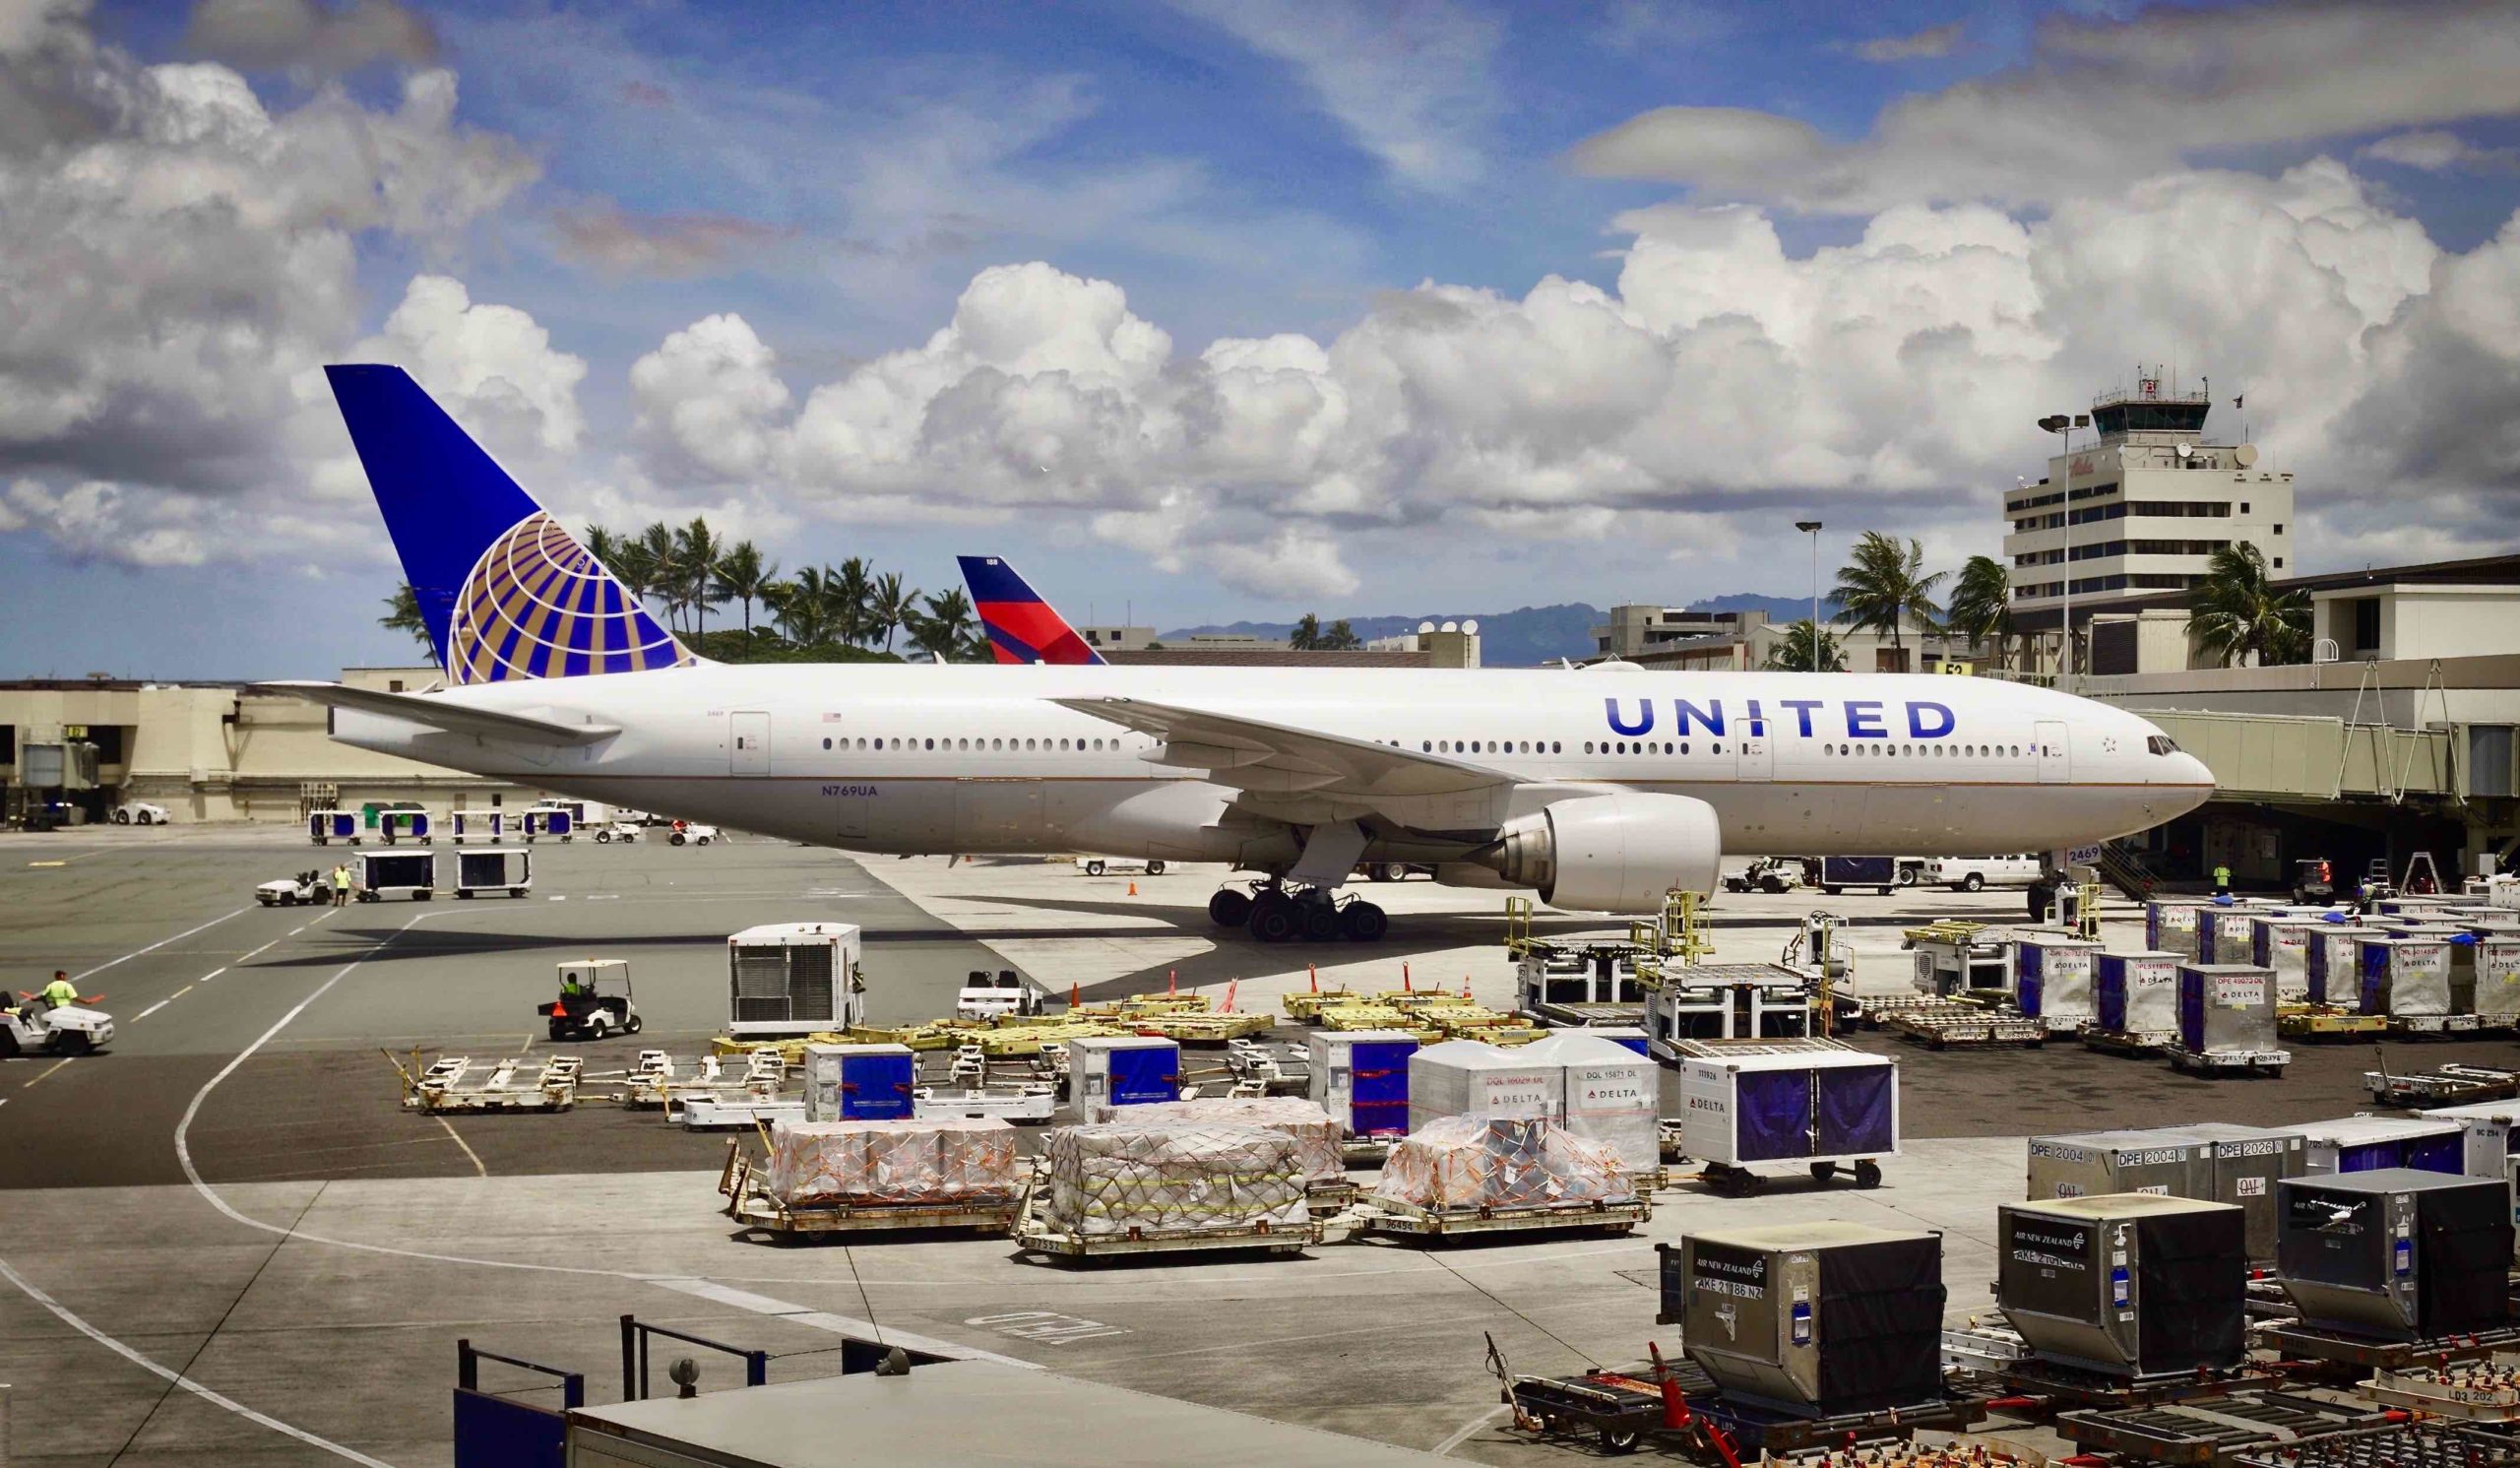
(383, 874)
(2442, 1086)
(470, 825)
(394, 826)
(514, 1083)
(2226, 1021)
(1034, 1234)
(549, 820)
(1033, 1102)
(323, 827)
(1400, 1220)
(494, 871)
(750, 1203)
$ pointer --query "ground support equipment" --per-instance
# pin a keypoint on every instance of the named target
(2207, 1430)
(2048, 1386)
(1683, 1412)
(1035, 1103)
(2129, 1042)
(2444, 1085)
(1726, 1180)
(1399, 1220)
(1306, 1009)
(720, 1113)
(2323, 1022)
(458, 1083)
(2431, 1026)
(750, 1204)
(2268, 1063)
(1036, 1234)
(2346, 1356)
(2407, 1444)
(2483, 1392)
(1950, 1024)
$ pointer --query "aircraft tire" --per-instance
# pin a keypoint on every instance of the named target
(1229, 908)
(1319, 922)
(1364, 923)
(1272, 919)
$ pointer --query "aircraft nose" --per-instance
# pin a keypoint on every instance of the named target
(2193, 771)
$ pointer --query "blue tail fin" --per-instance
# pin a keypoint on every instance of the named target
(505, 592)
(1021, 628)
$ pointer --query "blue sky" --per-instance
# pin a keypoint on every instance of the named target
(836, 176)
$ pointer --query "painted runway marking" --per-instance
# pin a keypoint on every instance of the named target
(1047, 1327)
(179, 1379)
(457, 1137)
(38, 1080)
(213, 974)
(763, 1305)
(160, 944)
(152, 1009)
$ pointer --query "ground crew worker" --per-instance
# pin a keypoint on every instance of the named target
(2222, 881)
(341, 885)
(569, 988)
(60, 990)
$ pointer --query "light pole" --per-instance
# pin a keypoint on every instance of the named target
(2064, 426)
(1811, 528)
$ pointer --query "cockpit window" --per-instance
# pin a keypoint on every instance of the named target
(2161, 744)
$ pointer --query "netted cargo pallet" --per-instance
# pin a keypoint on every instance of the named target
(750, 1203)
(2266, 1062)
(1948, 1025)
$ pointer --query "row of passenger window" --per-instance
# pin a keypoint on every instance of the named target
(1015, 747)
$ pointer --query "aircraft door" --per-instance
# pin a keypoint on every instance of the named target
(1755, 760)
(747, 742)
(2055, 766)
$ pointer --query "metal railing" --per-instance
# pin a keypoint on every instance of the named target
(635, 1333)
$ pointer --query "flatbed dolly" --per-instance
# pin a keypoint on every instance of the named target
(2431, 1026)
(458, 1084)
(2345, 1356)
(2266, 1062)
(2129, 1042)
(1950, 1024)
(1376, 1216)
(2444, 1085)
(750, 1204)
(1035, 1234)
(2203, 1432)
(2320, 1024)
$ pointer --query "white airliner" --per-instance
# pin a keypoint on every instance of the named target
(1599, 790)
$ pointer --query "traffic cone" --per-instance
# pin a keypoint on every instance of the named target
(1312, 976)
(1465, 988)
(1074, 992)
(1133, 889)
(1403, 980)
(1171, 983)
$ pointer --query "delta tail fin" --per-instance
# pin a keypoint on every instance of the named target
(1021, 628)
(505, 592)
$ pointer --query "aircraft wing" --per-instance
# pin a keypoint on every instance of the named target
(1256, 755)
(445, 714)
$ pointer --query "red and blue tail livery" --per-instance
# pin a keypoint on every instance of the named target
(1021, 628)
(505, 593)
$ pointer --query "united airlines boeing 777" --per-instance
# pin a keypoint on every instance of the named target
(1599, 790)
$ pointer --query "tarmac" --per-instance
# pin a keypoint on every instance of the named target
(222, 1242)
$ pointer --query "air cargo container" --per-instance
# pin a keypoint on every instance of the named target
(794, 979)
(1609, 1093)
(2136, 995)
(2248, 1161)
(2125, 1284)
(2493, 965)
(2160, 1161)
(494, 870)
(2403, 977)
(2332, 965)
(2283, 946)
(2370, 1144)
(2052, 979)
(2226, 1015)
(1818, 1103)
(1361, 1077)
(2223, 933)
(1108, 1073)
(2398, 1254)
(1815, 1319)
(1472, 1078)
(859, 1082)
(467, 824)
(2171, 923)
(382, 874)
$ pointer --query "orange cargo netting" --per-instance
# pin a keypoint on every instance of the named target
(1482, 1162)
(1317, 1136)
(941, 1162)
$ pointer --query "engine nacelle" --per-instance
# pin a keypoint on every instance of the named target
(1616, 853)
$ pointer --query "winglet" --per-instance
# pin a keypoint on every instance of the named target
(1021, 628)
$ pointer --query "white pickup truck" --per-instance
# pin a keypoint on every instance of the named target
(1975, 873)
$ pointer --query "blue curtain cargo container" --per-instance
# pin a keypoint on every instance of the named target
(2363, 1144)
(2332, 965)
(1361, 1077)
(1628, 1035)
(859, 1082)
(393, 825)
(1857, 871)
(2169, 925)
(558, 823)
(324, 826)
(494, 870)
(2136, 993)
(1110, 1072)
(2225, 1008)
(470, 823)
(2403, 976)
(2052, 978)
(1829, 1103)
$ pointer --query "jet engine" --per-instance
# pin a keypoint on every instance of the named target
(1616, 853)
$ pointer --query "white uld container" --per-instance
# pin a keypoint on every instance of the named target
(1468, 1078)
(2495, 962)
(1110, 1073)
(2333, 964)
(1612, 1094)
(2283, 943)
(2169, 923)
(2404, 975)
(2052, 978)
(1361, 1077)
(2363, 1144)
(2137, 994)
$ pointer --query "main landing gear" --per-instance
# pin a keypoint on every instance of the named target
(1277, 915)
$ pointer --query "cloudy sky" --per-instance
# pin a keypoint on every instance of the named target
(1219, 308)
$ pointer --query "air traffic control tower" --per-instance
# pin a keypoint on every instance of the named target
(2142, 509)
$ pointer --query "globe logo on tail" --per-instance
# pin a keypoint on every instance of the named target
(537, 606)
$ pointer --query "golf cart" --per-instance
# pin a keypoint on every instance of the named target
(306, 889)
(34, 1026)
(985, 997)
(692, 833)
(2314, 880)
(140, 813)
(593, 1002)
(1767, 875)
(616, 831)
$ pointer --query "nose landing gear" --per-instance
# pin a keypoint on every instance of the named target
(1276, 914)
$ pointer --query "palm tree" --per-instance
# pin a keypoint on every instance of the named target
(743, 576)
(697, 551)
(403, 614)
(1339, 637)
(654, 554)
(946, 629)
(2236, 614)
(1884, 587)
(802, 608)
(850, 590)
(1981, 602)
(889, 604)
(1306, 635)
(1793, 654)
